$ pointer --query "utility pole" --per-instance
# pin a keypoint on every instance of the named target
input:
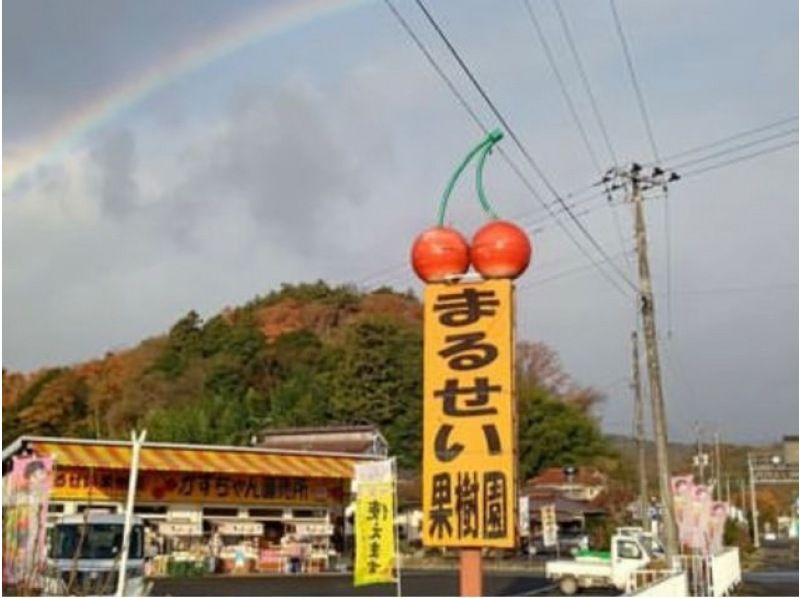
(753, 503)
(701, 462)
(717, 468)
(635, 181)
(742, 496)
(638, 414)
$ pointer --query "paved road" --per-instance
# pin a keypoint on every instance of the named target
(415, 583)
(777, 573)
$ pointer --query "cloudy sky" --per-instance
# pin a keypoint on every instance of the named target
(162, 156)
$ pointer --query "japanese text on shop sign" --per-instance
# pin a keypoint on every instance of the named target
(469, 489)
(78, 483)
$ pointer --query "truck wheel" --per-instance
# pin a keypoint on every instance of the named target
(568, 585)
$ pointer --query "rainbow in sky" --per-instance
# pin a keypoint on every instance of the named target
(274, 18)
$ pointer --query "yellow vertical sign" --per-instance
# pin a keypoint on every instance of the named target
(375, 549)
(469, 430)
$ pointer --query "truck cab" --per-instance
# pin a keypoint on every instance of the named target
(84, 553)
(629, 552)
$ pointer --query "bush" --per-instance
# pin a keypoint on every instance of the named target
(737, 534)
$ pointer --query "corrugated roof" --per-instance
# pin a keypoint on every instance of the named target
(555, 476)
(193, 458)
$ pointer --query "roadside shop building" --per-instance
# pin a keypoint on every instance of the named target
(248, 508)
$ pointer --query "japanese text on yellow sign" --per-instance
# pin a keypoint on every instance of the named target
(375, 549)
(469, 430)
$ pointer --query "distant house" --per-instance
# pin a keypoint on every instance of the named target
(577, 483)
(571, 515)
(790, 450)
(360, 440)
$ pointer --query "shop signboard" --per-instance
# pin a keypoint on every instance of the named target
(178, 515)
(375, 523)
(314, 529)
(240, 528)
(524, 516)
(549, 525)
(180, 529)
(469, 430)
(78, 483)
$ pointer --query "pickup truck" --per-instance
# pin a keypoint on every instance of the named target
(591, 569)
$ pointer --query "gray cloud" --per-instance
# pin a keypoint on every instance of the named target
(331, 174)
(115, 161)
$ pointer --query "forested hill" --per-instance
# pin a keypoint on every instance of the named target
(309, 354)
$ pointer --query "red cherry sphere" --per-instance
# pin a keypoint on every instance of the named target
(439, 253)
(500, 250)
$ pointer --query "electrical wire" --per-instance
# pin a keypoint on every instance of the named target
(635, 81)
(745, 133)
(768, 150)
(562, 86)
(528, 185)
(733, 149)
(585, 79)
(654, 147)
(524, 151)
(538, 226)
(563, 274)
(598, 117)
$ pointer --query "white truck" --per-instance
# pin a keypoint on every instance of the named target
(84, 552)
(630, 550)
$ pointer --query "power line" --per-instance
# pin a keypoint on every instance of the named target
(750, 156)
(432, 61)
(600, 121)
(573, 111)
(778, 286)
(635, 81)
(562, 86)
(537, 225)
(745, 133)
(563, 274)
(587, 87)
(528, 185)
(525, 153)
(651, 137)
(735, 148)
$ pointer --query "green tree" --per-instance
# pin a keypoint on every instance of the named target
(379, 381)
(553, 433)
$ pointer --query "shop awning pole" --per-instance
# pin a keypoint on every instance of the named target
(136, 443)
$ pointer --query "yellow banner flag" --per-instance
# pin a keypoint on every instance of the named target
(375, 547)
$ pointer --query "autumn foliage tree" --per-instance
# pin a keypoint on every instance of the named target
(308, 354)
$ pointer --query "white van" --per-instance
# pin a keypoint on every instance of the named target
(83, 556)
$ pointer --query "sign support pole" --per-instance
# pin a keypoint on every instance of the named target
(136, 445)
(396, 529)
(470, 574)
